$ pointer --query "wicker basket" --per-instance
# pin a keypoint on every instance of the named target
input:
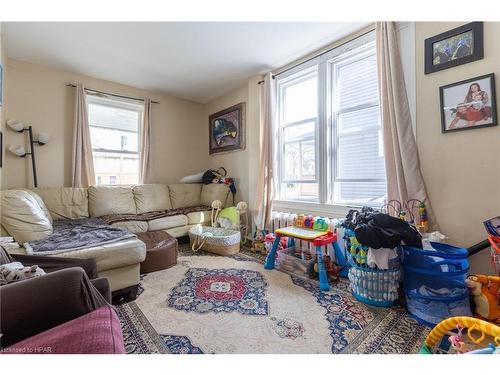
(219, 241)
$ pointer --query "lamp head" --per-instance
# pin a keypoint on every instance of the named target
(18, 151)
(43, 138)
(15, 125)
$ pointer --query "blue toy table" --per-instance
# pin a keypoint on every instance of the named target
(317, 238)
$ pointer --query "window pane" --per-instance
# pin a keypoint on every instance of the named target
(112, 168)
(114, 129)
(301, 100)
(300, 152)
(357, 83)
(113, 117)
(113, 139)
(361, 192)
(359, 120)
(359, 156)
(300, 191)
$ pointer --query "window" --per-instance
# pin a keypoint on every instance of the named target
(329, 132)
(114, 131)
(299, 124)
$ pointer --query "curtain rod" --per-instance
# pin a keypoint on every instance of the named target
(319, 54)
(115, 95)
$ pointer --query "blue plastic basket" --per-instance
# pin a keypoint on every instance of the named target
(374, 287)
(443, 259)
(432, 310)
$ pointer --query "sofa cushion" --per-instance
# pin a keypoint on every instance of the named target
(200, 217)
(98, 332)
(151, 197)
(212, 192)
(185, 195)
(24, 215)
(167, 222)
(65, 202)
(132, 226)
(106, 200)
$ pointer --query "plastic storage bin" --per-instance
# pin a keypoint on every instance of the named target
(434, 282)
(374, 287)
(444, 258)
(422, 282)
(432, 310)
(288, 261)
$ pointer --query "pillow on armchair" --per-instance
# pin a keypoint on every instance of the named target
(15, 271)
(25, 216)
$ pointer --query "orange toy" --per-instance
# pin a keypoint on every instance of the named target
(486, 293)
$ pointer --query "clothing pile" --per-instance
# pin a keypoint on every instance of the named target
(381, 234)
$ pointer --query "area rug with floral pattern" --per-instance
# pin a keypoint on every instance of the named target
(215, 304)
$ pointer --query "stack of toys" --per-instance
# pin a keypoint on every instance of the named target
(413, 211)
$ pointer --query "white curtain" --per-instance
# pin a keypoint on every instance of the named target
(82, 161)
(404, 178)
(144, 166)
(264, 198)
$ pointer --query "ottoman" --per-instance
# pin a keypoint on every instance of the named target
(161, 251)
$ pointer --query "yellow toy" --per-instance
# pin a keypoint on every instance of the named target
(231, 217)
(486, 293)
(479, 333)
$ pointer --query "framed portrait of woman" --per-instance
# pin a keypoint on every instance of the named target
(468, 104)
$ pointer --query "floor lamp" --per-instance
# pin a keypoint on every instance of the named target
(42, 139)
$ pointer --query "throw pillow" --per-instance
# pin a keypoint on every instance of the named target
(15, 271)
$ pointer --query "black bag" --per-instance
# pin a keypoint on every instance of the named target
(212, 174)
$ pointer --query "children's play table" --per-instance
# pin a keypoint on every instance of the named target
(318, 238)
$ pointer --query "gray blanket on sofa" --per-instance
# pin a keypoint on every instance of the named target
(77, 234)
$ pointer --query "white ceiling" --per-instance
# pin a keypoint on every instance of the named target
(198, 61)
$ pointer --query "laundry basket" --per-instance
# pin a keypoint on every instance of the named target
(219, 241)
(370, 285)
(434, 282)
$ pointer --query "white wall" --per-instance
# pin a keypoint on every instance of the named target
(461, 169)
(38, 95)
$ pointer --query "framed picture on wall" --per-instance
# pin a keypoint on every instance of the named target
(459, 46)
(468, 104)
(227, 129)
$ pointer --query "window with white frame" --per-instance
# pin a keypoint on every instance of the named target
(329, 146)
(114, 131)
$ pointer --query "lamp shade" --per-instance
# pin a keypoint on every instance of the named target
(15, 125)
(43, 138)
(17, 150)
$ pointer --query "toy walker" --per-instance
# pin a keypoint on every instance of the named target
(310, 230)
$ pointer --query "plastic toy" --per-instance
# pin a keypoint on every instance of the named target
(231, 217)
(319, 239)
(477, 332)
(486, 293)
(456, 341)
(258, 243)
(269, 240)
(423, 225)
(332, 270)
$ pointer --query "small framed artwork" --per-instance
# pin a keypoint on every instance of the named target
(468, 104)
(227, 129)
(459, 46)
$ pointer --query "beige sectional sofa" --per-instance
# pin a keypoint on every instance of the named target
(25, 217)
